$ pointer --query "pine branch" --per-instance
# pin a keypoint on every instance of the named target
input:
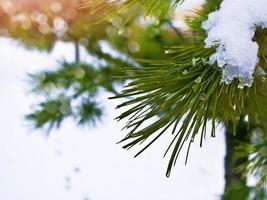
(182, 94)
(157, 8)
(257, 154)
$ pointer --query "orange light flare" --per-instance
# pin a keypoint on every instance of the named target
(50, 16)
(182, 13)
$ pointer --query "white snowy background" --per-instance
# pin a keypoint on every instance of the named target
(86, 163)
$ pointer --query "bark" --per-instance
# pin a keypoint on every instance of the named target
(235, 186)
(77, 52)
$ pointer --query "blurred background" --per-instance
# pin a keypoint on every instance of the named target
(60, 62)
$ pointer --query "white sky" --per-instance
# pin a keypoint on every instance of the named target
(34, 167)
(188, 4)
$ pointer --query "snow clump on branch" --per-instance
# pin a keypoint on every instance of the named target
(231, 30)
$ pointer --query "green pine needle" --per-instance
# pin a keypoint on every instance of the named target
(156, 8)
(182, 94)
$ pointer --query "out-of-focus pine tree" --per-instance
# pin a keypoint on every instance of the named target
(71, 89)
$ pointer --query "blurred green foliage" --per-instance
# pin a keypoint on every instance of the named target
(71, 89)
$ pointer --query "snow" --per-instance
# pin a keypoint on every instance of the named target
(34, 167)
(231, 30)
